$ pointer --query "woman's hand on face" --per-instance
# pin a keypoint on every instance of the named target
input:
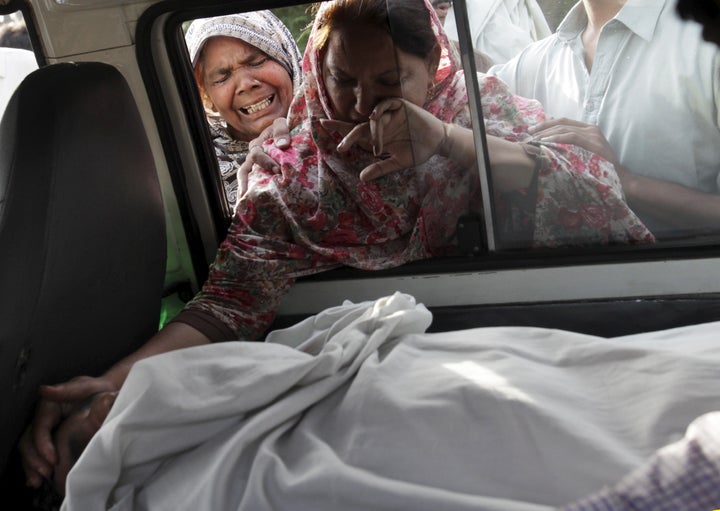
(257, 158)
(39, 452)
(401, 133)
(567, 131)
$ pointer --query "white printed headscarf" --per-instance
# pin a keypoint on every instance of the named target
(261, 29)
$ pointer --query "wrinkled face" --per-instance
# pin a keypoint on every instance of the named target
(361, 67)
(245, 86)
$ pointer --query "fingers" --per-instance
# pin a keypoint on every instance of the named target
(385, 131)
(358, 135)
(277, 131)
(76, 432)
(67, 455)
(564, 130)
(341, 127)
(560, 135)
(550, 123)
(281, 133)
(376, 134)
(587, 136)
(100, 408)
(380, 168)
(256, 159)
(71, 439)
(387, 105)
(380, 117)
(57, 401)
(77, 389)
(261, 160)
(48, 414)
(35, 466)
(367, 135)
(353, 134)
(38, 450)
(242, 176)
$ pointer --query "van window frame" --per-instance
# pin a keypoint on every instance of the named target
(490, 258)
(20, 6)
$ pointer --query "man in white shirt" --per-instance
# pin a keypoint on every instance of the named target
(631, 81)
(501, 28)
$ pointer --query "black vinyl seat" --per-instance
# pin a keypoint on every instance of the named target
(82, 234)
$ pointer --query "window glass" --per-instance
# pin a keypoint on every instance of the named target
(578, 148)
(16, 55)
(640, 89)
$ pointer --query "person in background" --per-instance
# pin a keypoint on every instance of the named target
(500, 29)
(14, 34)
(247, 67)
(598, 78)
(442, 7)
(17, 59)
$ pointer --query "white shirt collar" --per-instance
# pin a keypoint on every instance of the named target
(640, 16)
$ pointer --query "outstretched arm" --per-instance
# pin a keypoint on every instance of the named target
(69, 414)
(673, 204)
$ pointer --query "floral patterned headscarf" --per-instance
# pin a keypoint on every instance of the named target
(404, 216)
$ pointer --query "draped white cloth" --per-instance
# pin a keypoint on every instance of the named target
(358, 409)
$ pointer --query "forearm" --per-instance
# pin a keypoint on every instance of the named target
(671, 203)
(511, 166)
(458, 144)
(173, 337)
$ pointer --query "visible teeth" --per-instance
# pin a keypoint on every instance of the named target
(258, 106)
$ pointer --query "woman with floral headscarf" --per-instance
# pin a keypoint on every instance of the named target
(247, 67)
(365, 84)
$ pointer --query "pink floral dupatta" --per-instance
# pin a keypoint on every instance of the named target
(317, 214)
(406, 216)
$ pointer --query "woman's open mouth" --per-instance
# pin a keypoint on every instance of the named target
(260, 105)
